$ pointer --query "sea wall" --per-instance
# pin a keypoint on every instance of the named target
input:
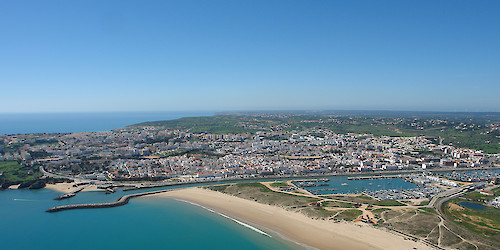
(120, 202)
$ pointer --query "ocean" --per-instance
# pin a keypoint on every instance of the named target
(144, 223)
(81, 122)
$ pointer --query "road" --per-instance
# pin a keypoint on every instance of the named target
(52, 175)
(446, 195)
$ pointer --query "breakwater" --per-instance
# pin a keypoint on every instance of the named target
(69, 195)
(120, 202)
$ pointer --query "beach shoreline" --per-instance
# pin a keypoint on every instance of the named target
(294, 226)
(68, 187)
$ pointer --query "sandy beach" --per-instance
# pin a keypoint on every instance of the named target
(294, 226)
(68, 187)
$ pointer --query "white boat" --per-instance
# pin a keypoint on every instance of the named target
(344, 184)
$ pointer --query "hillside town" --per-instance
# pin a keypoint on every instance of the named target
(159, 153)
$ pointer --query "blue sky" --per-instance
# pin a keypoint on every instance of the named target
(79, 56)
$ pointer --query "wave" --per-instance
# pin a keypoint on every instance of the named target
(225, 216)
(23, 200)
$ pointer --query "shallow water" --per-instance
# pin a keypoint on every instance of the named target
(144, 223)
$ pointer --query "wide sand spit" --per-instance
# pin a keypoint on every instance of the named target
(294, 226)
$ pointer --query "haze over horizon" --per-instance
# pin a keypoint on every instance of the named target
(101, 56)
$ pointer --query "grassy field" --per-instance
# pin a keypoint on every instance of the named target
(476, 196)
(485, 222)
(414, 222)
(279, 184)
(378, 212)
(349, 214)
(209, 124)
(338, 204)
(13, 172)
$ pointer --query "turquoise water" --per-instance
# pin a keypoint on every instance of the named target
(144, 223)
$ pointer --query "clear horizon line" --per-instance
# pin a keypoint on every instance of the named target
(239, 111)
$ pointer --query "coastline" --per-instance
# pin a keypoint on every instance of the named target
(294, 226)
(68, 187)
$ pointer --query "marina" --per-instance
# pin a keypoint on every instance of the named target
(348, 184)
(374, 177)
(397, 194)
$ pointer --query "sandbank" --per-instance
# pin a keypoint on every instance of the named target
(294, 226)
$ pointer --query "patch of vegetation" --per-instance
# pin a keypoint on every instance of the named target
(279, 184)
(485, 222)
(316, 212)
(349, 214)
(378, 212)
(261, 187)
(364, 199)
(419, 224)
(433, 236)
(428, 210)
(476, 196)
(14, 173)
(218, 188)
(338, 204)
(37, 185)
(221, 124)
(13, 147)
(448, 238)
(423, 203)
(389, 203)
(260, 193)
(391, 214)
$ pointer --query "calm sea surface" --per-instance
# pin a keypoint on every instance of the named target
(144, 223)
(81, 122)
